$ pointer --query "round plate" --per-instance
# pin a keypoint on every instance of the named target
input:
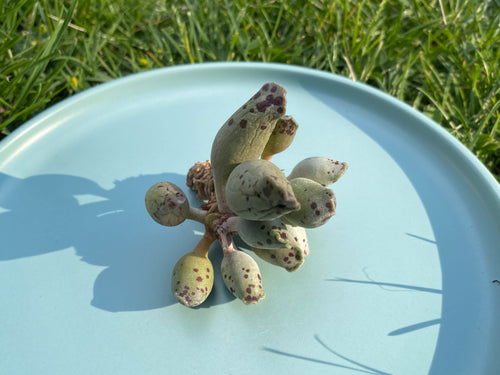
(401, 281)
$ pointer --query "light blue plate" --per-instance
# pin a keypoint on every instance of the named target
(400, 281)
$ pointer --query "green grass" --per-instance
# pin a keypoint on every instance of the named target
(441, 57)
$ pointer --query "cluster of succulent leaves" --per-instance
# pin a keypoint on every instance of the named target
(251, 198)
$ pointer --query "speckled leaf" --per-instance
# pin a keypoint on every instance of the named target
(322, 170)
(271, 234)
(258, 190)
(317, 204)
(167, 204)
(290, 257)
(281, 137)
(192, 279)
(245, 134)
(241, 276)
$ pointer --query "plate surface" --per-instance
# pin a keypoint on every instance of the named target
(400, 281)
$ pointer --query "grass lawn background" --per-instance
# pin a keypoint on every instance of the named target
(441, 56)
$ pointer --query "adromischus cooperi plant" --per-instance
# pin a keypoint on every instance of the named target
(245, 194)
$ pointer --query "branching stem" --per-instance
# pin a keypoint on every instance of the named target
(224, 230)
(197, 214)
(202, 247)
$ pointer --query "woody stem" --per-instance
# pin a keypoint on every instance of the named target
(224, 232)
(202, 247)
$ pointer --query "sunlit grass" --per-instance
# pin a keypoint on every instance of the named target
(440, 57)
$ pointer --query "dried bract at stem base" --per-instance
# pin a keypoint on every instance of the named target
(200, 179)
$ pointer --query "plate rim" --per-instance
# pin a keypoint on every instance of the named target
(41, 122)
(31, 126)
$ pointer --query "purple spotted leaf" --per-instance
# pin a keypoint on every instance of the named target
(291, 256)
(281, 137)
(322, 170)
(258, 190)
(317, 204)
(167, 204)
(242, 277)
(192, 279)
(271, 234)
(245, 135)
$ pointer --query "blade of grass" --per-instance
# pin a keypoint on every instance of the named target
(42, 58)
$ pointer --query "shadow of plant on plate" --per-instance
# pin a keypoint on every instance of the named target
(353, 365)
(110, 228)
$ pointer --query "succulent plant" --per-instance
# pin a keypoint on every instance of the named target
(242, 277)
(258, 190)
(281, 137)
(322, 170)
(245, 134)
(291, 254)
(317, 204)
(167, 204)
(265, 234)
(193, 275)
(192, 279)
(244, 193)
